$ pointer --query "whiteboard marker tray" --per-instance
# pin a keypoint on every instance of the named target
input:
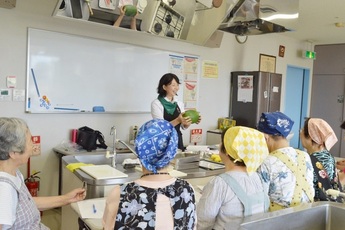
(103, 172)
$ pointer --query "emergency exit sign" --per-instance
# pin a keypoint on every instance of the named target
(309, 54)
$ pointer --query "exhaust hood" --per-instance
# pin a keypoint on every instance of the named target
(253, 17)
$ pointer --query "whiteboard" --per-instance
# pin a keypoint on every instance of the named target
(69, 73)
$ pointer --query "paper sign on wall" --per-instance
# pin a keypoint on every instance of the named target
(245, 88)
(196, 135)
(11, 81)
(36, 141)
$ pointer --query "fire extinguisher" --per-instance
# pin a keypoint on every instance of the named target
(33, 184)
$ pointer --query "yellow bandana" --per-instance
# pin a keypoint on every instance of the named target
(247, 145)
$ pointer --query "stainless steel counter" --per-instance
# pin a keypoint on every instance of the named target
(315, 216)
(66, 151)
(95, 187)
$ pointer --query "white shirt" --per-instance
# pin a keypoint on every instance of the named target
(8, 200)
(220, 208)
(157, 109)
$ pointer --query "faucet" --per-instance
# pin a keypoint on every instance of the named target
(113, 156)
(115, 141)
(125, 144)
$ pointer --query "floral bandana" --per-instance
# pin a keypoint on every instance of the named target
(246, 145)
(156, 144)
(275, 123)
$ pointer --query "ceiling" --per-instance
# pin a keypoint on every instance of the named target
(317, 20)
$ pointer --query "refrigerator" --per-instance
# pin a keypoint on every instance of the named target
(253, 93)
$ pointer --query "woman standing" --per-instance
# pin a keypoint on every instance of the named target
(19, 210)
(318, 138)
(167, 107)
(156, 200)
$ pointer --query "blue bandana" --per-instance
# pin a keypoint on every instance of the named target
(156, 144)
(275, 123)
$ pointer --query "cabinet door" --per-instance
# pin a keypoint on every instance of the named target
(327, 102)
(330, 59)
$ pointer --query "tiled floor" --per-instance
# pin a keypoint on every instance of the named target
(52, 219)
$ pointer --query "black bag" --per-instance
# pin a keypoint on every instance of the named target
(87, 138)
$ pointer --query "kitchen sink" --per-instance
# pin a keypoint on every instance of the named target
(315, 216)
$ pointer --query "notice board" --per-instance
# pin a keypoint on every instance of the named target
(69, 73)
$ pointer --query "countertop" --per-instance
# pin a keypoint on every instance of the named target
(93, 223)
(65, 151)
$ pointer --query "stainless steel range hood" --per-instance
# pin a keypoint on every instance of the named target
(253, 17)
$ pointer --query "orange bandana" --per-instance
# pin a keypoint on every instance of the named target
(321, 133)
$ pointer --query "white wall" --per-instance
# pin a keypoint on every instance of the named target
(55, 128)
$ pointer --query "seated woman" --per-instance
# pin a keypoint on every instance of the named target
(287, 173)
(317, 138)
(156, 200)
(19, 210)
(238, 192)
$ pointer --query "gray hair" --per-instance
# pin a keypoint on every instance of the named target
(13, 133)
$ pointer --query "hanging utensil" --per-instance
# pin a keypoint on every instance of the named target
(89, 6)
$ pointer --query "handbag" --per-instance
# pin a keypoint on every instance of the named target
(87, 138)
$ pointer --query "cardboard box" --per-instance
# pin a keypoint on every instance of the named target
(225, 122)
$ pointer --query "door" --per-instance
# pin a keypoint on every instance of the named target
(296, 102)
(327, 102)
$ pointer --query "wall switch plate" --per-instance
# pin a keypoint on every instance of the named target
(8, 4)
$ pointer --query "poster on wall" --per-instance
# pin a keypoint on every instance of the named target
(210, 69)
(186, 69)
(190, 89)
(176, 65)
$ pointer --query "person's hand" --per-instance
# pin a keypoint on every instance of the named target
(136, 14)
(75, 195)
(199, 120)
(340, 165)
(185, 121)
(122, 10)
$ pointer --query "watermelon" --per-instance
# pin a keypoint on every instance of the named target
(130, 10)
(193, 114)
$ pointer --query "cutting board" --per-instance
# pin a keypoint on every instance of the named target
(103, 172)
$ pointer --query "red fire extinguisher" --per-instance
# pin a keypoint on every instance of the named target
(33, 184)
